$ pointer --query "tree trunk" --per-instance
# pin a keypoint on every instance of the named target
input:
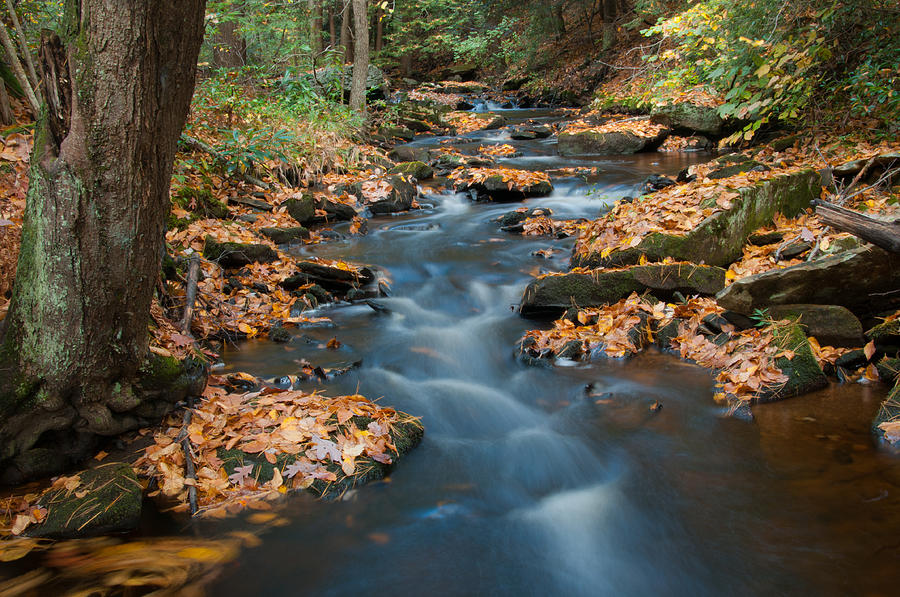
(360, 56)
(345, 32)
(379, 29)
(610, 14)
(315, 26)
(6, 112)
(229, 48)
(332, 27)
(74, 361)
(23, 44)
(34, 103)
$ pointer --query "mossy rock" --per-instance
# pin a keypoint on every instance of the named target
(403, 193)
(888, 369)
(889, 411)
(397, 132)
(887, 332)
(609, 143)
(233, 255)
(405, 436)
(858, 280)
(497, 189)
(832, 325)
(718, 240)
(283, 236)
(416, 169)
(200, 202)
(303, 208)
(550, 295)
(735, 169)
(685, 116)
(106, 500)
(803, 371)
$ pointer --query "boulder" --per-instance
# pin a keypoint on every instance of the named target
(685, 116)
(333, 78)
(329, 277)
(403, 193)
(417, 169)
(552, 294)
(655, 183)
(233, 255)
(251, 202)
(283, 236)
(512, 221)
(862, 280)
(397, 132)
(99, 501)
(405, 436)
(888, 413)
(527, 132)
(303, 208)
(831, 325)
(803, 370)
(497, 189)
(490, 121)
(737, 168)
(335, 211)
(609, 143)
(718, 240)
(409, 153)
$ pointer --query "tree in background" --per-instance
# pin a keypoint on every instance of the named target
(74, 346)
(360, 56)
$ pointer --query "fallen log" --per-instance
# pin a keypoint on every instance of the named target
(878, 232)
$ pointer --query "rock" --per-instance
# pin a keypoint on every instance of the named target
(655, 183)
(405, 436)
(491, 121)
(397, 132)
(328, 277)
(857, 279)
(109, 502)
(414, 125)
(889, 369)
(784, 142)
(831, 325)
(251, 202)
(445, 163)
(409, 153)
(550, 295)
(684, 116)
(464, 105)
(852, 360)
(803, 371)
(740, 168)
(417, 169)
(512, 221)
(331, 78)
(885, 333)
(885, 160)
(889, 411)
(401, 197)
(279, 334)
(497, 189)
(201, 202)
(718, 240)
(335, 211)
(527, 132)
(795, 249)
(767, 238)
(303, 208)
(283, 236)
(232, 255)
(597, 143)
(739, 320)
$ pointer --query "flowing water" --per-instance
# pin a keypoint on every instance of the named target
(527, 485)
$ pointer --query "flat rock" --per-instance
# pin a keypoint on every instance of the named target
(719, 239)
(417, 169)
(251, 202)
(232, 255)
(550, 295)
(864, 280)
(283, 236)
(831, 325)
(103, 500)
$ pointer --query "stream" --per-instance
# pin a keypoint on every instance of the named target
(527, 484)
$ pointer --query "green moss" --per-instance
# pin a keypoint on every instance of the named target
(802, 369)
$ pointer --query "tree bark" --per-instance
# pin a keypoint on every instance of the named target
(346, 43)
(315, 26)
(229, 48)
(23, 44)
(6, 112)
(332, 27)
(360, 56)
(30, 96)
(379, 29)
(878, 232)
(74, 360)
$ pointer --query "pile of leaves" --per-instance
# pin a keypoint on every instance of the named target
(467, 122)
(640, 126)
(675, 210)
(514, 179)
(13, 186)
(744, 360)
(446, 99)
(542, 225)
(304, 438)
(497, 150)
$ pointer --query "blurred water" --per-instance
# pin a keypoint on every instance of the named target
(524, 484)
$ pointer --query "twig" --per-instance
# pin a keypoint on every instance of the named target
(185, 441)
(783, 246)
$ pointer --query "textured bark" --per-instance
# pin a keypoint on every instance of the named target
(346, 43)
(315, 26)
(118, 86)
(229, 48)
(360, 56)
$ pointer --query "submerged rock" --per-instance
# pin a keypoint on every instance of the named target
(233, 255)
(103, 500)
(553, 294)
(862, 280)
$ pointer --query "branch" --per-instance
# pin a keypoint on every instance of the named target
(16, 64)
(23, 43)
